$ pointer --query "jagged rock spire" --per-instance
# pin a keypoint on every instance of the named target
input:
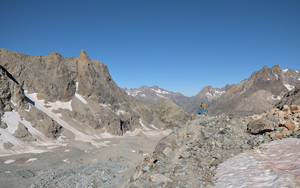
(83, 55)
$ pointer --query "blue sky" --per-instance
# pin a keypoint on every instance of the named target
(180, 46)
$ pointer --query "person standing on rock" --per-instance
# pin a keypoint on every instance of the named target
(203, 107)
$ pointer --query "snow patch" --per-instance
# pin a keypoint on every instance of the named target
(80, 97)
(80, 136)
(268, 78)
(30, 160)
(219, 92)
(119, 112)
(278, 97)
(161, 96)
(58, 104)
(285, 70)
(208, 94)
(289, 87)
(277, 77)
(144, 126)
(9, 161)
(132, 133)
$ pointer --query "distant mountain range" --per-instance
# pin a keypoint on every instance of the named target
(256, 94)
(152, 94)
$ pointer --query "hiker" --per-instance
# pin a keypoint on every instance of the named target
(202, 107)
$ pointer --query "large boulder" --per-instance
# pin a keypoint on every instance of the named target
(261, 126)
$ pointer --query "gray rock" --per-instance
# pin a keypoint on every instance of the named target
(245, 146)
(185, 155)
(261, 126)
(146, 169)
(166, 151)
(23, 133)
(3, 125)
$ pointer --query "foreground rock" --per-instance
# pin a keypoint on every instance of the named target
(190, 155)
(275, 164)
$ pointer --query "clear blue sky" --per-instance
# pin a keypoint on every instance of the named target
(180, 46)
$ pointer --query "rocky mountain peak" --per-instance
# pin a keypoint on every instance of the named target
(83, 55)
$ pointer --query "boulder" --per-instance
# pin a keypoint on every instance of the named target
(294, 108)
(261, 126)
(273, 111)
(290, 126)
(286, 109)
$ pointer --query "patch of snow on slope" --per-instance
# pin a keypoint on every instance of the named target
(80, 136)
(160, 91)
(144, 126)
(30, 160)
(208, 94)
(268, 78)
(135, 93)
(161, 96)
(277, 77)
(285, 70)
(278, 97)
(119, 112)
(9, 161)
(79, 96)
(58, 104)
(219, 93)
(289, 87)
(12, 119)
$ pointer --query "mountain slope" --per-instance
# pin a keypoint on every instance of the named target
(257, 93)
(73, 98)
(207, 95)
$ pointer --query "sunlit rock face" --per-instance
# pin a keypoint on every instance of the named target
(275, 164)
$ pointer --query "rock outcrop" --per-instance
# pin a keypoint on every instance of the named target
(191, 155)
(290, 98)
(11, 94)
